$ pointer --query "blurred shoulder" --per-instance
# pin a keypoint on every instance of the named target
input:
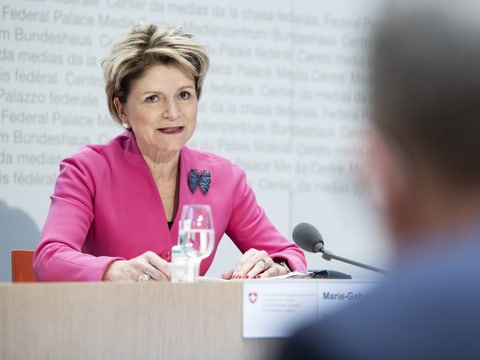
(432, 295)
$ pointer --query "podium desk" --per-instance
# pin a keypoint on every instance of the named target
(126, 321)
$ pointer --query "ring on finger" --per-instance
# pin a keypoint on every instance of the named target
(144, 278)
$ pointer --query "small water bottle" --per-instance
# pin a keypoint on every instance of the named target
(182, 266)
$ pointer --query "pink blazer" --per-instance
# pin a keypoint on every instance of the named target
(106, 206)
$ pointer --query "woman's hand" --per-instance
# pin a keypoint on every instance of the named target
(255, 264)
(148, 263)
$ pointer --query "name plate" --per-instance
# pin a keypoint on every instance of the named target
(272, 309)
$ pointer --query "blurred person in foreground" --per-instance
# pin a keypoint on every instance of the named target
(115, 208)
(425, 162)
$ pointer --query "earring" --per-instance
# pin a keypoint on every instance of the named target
(125, 125)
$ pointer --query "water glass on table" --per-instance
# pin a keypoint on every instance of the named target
(196, 234)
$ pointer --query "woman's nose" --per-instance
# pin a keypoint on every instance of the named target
(172, 111)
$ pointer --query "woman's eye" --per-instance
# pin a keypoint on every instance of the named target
(152, 98)
(184, 95)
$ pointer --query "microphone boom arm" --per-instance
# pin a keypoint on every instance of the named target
(327, 255)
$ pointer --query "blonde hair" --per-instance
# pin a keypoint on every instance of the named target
(144, 46)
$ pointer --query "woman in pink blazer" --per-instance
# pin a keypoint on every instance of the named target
(114, 211)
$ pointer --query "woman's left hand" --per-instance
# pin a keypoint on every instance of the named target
(255, 264)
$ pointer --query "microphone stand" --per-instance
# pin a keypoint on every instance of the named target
(327, 255)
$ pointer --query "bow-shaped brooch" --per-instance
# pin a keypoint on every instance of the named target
(199, 179)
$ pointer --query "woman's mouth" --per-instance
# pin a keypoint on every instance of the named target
(171, 130)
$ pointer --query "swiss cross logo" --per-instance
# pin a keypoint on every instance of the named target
(252, 297)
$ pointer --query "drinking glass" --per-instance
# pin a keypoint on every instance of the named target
(196, 234)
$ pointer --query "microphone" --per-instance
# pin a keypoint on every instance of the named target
(309, 239)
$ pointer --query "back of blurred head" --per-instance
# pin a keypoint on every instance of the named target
(425, 96)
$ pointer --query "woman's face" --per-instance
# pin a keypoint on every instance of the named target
(161, 109)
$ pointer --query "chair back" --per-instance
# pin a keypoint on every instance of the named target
(22, 266)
